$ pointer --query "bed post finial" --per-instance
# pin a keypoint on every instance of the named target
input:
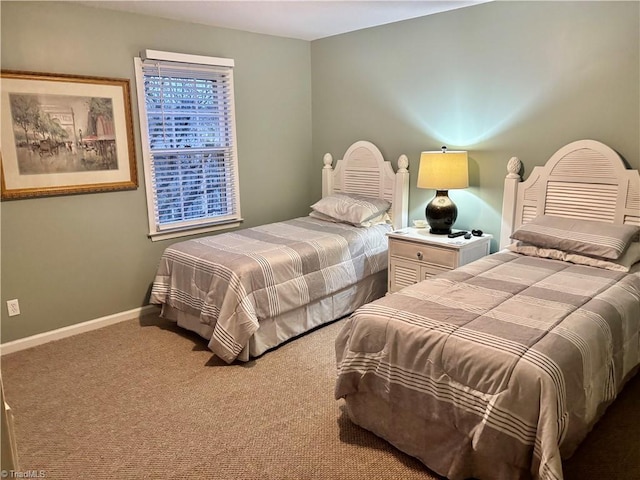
(400, 207)
(327, 175)
(403, 163)
(509, 198)
(513, 167)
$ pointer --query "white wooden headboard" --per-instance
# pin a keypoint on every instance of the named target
(364, 171)
(585, 179)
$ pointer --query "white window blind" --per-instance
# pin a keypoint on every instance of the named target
(188, 120)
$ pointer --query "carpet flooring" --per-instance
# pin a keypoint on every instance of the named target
(143, 399)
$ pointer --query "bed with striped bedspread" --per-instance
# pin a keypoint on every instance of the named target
(234, 280)
(495, 370)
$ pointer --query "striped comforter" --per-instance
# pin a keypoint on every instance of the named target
(235, 279)
(495, 370)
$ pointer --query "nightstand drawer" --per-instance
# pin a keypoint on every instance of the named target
(423, 253)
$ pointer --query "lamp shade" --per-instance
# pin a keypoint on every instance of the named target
(443, 170)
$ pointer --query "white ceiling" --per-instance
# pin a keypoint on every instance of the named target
(301, 19)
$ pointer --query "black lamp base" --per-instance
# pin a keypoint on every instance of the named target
(441, 213)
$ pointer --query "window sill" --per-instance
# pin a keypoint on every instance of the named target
(166, 235)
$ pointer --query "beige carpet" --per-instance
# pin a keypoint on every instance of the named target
(143, 399)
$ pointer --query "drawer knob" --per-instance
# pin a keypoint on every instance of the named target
(419, 255)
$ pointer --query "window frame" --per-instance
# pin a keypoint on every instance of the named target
(196, 226)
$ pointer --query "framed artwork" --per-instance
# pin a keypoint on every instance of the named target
(65, 134)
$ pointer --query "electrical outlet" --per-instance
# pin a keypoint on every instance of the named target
(14, 307)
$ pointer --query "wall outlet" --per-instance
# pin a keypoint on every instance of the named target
(14, 307)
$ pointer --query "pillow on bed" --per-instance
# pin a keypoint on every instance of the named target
(350, 208)
(384, 218)
(586, 237)
(630, 257)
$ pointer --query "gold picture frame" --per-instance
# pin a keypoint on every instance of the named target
(65, 134)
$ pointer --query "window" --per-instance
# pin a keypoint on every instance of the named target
(187, 120)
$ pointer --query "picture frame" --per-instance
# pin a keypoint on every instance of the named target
(65, 134)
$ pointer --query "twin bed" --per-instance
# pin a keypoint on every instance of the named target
(497, 369)
(250, 290)
(500, 368)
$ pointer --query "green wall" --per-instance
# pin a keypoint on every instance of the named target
(499, 79)
(71, 259)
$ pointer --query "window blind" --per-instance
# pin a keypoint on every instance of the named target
(191, 143)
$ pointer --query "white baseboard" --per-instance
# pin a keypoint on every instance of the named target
(42, 338)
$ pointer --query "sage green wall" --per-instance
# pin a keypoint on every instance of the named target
(499, 79)
(71, 259)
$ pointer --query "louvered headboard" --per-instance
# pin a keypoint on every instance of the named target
(364, 171)
(585, 179)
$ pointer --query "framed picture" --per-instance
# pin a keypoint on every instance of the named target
(65, 134)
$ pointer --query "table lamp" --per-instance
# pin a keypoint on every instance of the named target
(442, 171)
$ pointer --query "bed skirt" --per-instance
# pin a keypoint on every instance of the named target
(276, 330)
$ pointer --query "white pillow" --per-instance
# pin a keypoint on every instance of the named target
(351, 208)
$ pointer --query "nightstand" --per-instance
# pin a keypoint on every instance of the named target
(415, 255)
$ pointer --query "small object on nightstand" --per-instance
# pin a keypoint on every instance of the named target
(467, 236)
(420, 223)
(457, 234)
(476, 233)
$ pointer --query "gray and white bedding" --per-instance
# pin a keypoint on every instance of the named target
(495, 370)
(234, 280)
